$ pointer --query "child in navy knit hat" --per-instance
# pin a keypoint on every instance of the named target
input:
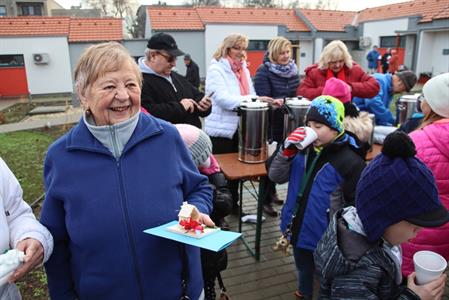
(359, 257)
(322, 178)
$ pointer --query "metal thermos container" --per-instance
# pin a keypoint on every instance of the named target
(296, 110)
(406, 107)
(253, 130)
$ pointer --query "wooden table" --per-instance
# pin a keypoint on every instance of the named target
(233, 169)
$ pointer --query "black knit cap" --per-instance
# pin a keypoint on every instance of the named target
(164, 41)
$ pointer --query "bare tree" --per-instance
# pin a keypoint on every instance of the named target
(326, 4)
(204, 2)
(123, 9)
(259, 3)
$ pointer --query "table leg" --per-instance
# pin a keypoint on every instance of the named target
(240, 185)
(260, 198)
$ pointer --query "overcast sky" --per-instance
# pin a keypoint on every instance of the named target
(342, 4)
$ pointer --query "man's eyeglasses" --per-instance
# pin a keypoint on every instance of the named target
(168, 57)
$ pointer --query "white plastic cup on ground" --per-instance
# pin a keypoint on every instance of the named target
(428, 266)
(311, 136)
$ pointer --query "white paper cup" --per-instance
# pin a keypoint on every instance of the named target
(272, 147)
(311, 136)
(428, 266)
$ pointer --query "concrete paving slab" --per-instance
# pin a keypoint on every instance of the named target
(47, 110)
(46, 122)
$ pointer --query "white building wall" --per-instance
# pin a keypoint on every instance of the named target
(305, 55)
(191, 42)
(54, 77)
(376, 29)
(215, 33)
(440, 62)
(147, 26)
(430, 52)
(319, 42)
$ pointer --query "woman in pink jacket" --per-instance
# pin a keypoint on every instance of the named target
(432, 146)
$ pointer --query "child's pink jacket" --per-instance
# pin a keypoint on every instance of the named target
(432, 146)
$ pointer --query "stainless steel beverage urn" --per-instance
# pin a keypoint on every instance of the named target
(253, 129)
(406, 107)
(296, 110)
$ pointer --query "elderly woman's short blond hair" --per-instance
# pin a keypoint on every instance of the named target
(100, 59)
(232, 40)
(335, 51)
(276, 46)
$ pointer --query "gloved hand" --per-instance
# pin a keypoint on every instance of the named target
(296, 136)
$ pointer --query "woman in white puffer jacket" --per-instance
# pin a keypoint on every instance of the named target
(229, 80)
(20, 230)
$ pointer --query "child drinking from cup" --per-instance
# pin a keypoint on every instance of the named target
(359, 256)
(322, 178)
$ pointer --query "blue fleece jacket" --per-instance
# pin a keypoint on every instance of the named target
(96, 208)
(380, 104)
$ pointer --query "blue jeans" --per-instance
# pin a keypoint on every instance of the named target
(306, 269)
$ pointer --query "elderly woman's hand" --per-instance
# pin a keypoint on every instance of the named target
(34, 255)
(206, 220)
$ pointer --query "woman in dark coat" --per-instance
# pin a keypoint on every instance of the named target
(335, 61)
(277, 77)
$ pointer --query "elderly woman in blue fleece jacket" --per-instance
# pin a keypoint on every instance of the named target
(113, 175)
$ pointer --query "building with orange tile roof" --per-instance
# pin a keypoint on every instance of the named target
(407, 26)
(38, 54)
(418, 29)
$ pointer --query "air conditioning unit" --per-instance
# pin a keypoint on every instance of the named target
(365, 42)
(41, 58)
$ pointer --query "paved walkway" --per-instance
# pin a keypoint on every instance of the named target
(71, 115)
(47, 121)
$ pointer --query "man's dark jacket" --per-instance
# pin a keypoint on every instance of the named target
(161, 99)
(193, 74)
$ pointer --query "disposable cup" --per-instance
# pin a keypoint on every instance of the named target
(428, 266)
(272, 147)
(311, 136)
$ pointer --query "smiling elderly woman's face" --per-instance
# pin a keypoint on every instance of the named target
(114, 96)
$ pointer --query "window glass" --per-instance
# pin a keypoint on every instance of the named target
(258, 45)
(2, 10)
(13, 60)
(30, 9)
(391, 41)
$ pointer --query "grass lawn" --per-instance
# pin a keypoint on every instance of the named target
(24, 152)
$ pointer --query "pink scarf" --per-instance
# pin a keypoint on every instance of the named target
(239, 71)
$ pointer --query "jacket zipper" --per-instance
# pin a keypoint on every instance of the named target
(114, 142)
(128, 227)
